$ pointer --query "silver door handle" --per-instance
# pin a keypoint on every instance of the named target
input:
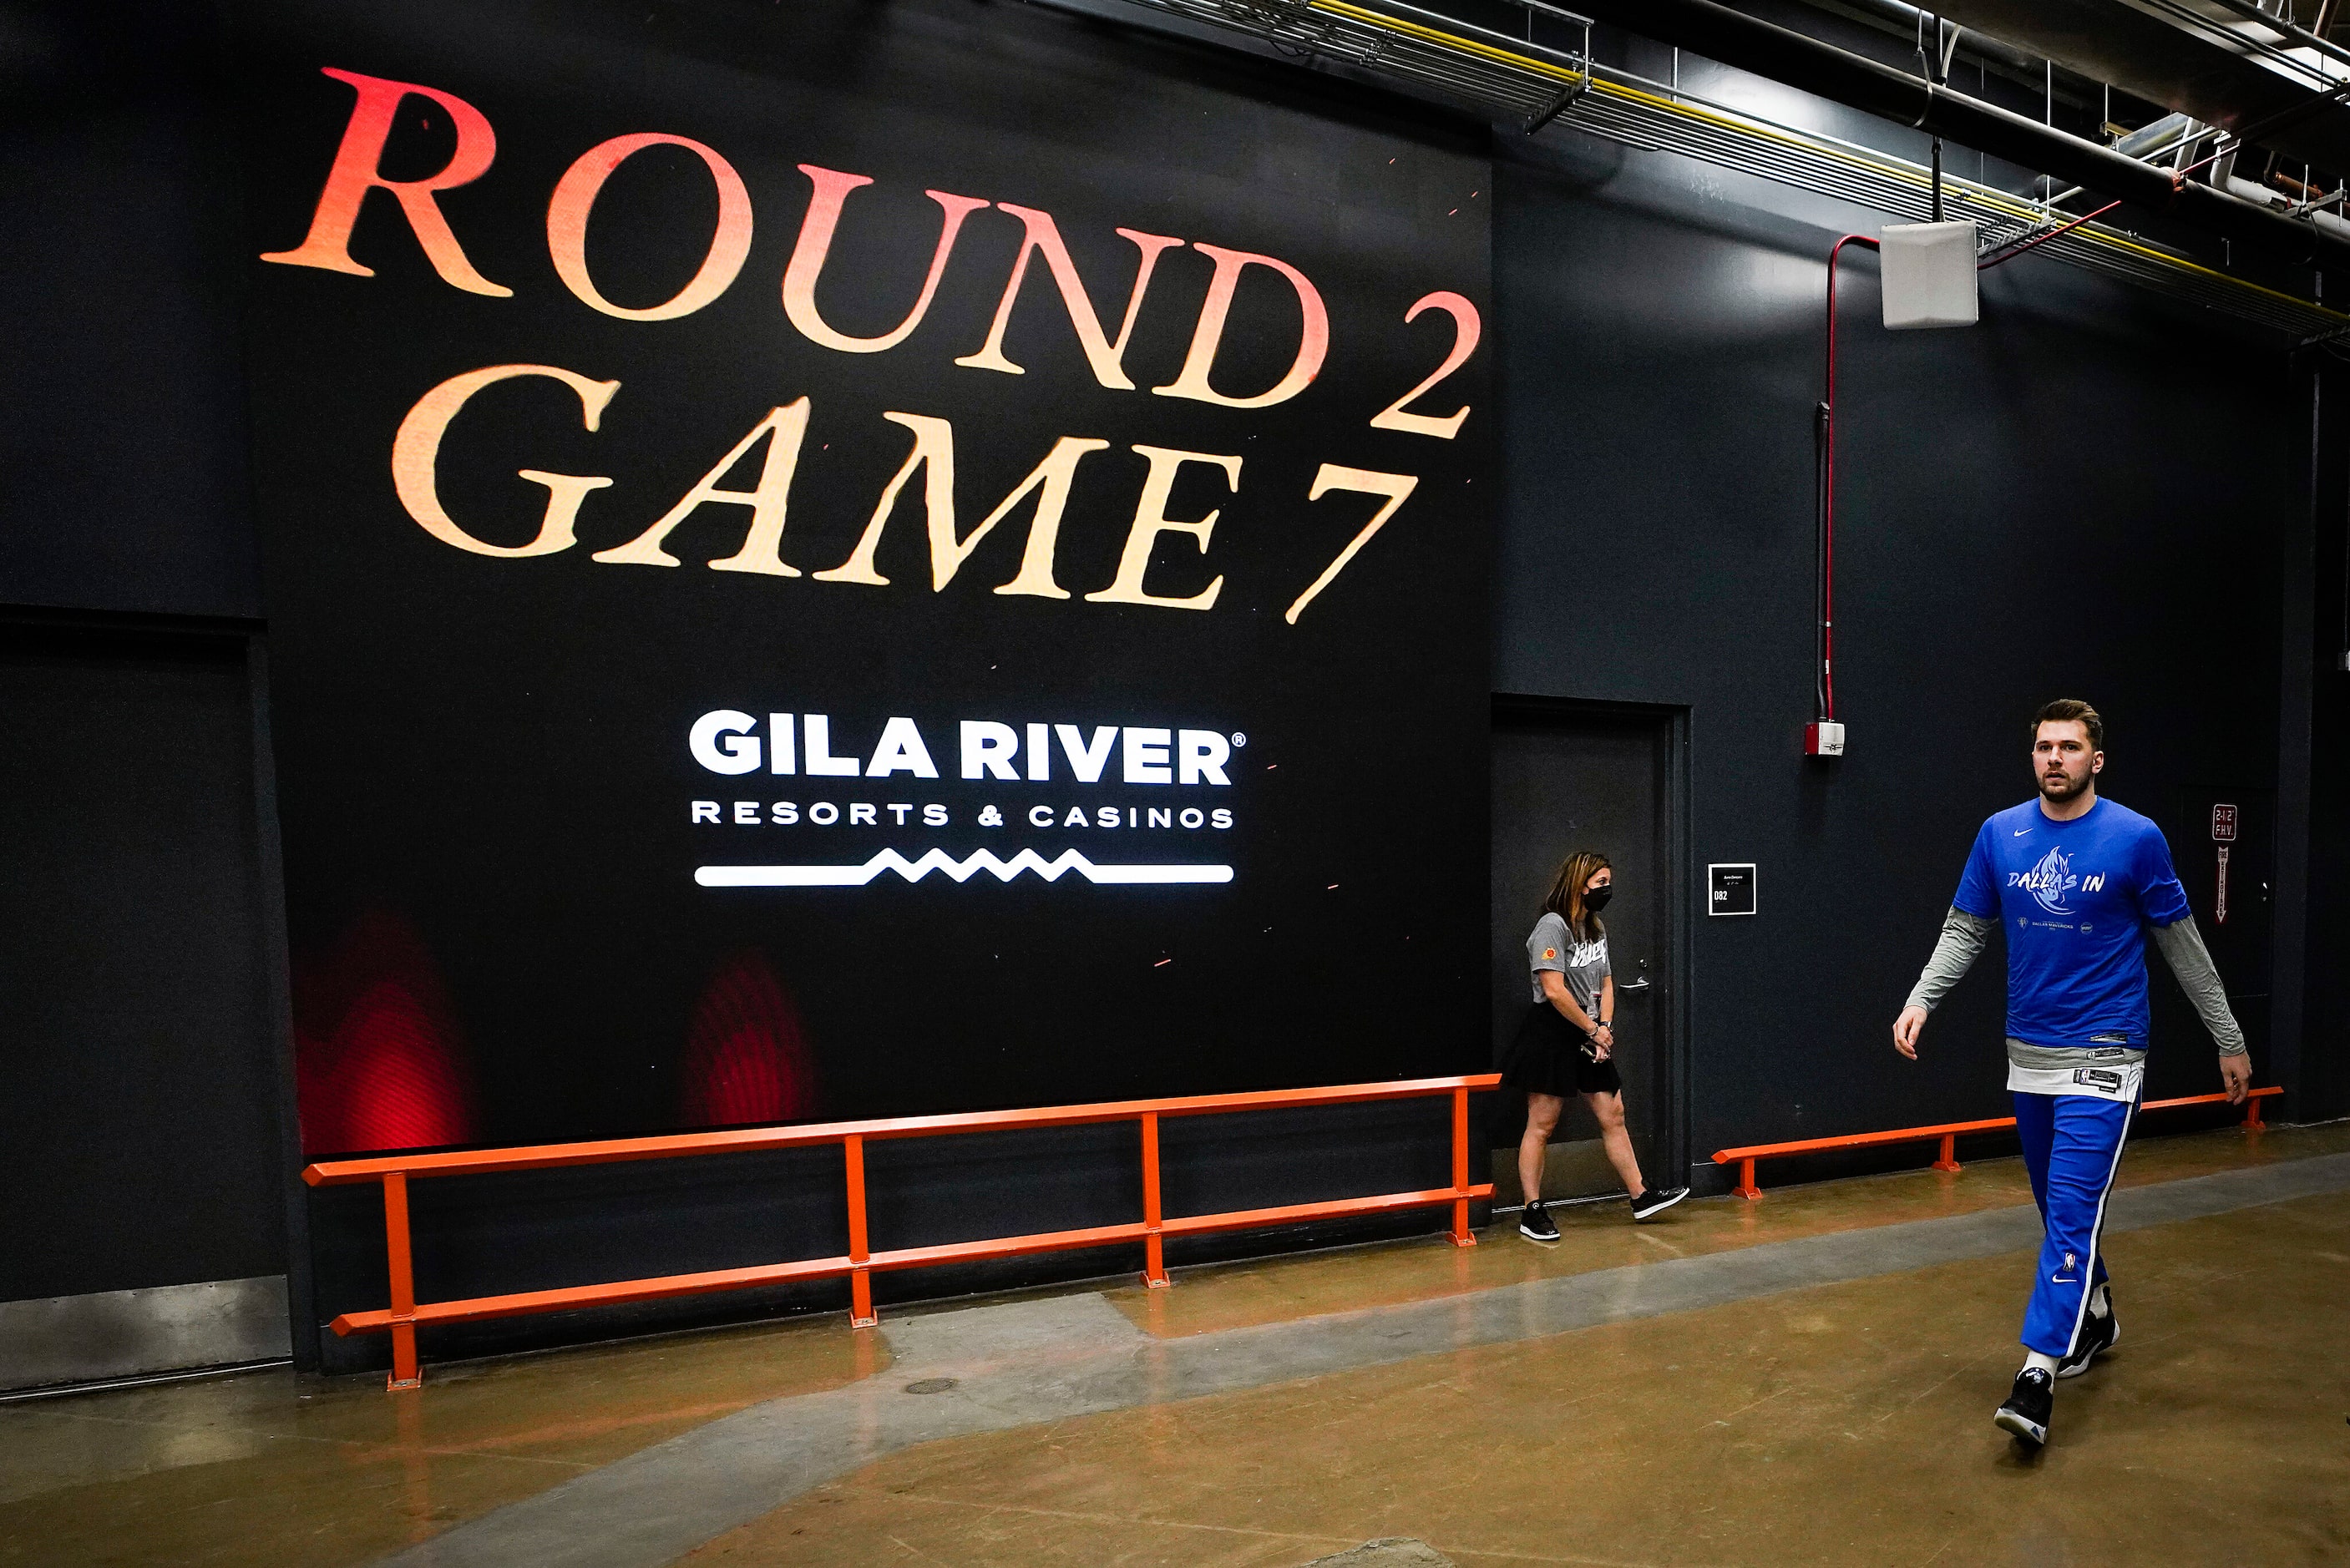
(1632, 985)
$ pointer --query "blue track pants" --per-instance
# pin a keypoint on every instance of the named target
(2071, 1146)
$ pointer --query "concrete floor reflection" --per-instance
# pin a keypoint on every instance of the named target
(1841, 1423)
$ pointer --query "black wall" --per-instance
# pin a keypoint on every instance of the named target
(2092, 493)
(2314, 674)
(2084, 494)
(489, 757)
(125, 440)
(140, 1132)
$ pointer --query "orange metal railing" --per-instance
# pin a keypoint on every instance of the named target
(406, 1314)
(1949, 1132)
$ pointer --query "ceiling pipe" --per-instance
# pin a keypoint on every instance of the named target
(1898, 19)
(2283, 28)
(1857, 82)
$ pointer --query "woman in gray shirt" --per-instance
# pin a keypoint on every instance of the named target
(1566, 1043)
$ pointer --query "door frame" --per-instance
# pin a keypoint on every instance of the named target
(1672, 720)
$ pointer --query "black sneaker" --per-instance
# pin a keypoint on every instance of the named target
(2098, 1335)
(2026, 1411)
(1652, 1202)
(1534, 1223)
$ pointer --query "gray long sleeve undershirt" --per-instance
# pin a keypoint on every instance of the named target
(2181, 947)
(1964, 936)
(1962, 942)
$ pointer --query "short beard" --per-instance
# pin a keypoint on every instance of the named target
(2068, 790)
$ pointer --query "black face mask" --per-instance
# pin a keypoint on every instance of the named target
(1597, 899)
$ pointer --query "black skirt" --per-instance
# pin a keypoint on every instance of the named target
(1551, 1057)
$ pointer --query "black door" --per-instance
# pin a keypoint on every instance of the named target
(1580, 777)
(140, 1141)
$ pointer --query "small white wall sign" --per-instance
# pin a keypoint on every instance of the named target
(1729, 889)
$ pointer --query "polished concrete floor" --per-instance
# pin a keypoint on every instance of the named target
(1803, 1380)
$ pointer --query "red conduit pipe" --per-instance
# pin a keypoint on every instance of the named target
(1824, 697)
(1826, 693)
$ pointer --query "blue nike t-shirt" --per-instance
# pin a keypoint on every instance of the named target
(2073, 898)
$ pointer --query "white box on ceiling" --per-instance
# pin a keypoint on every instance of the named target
(1930, 274)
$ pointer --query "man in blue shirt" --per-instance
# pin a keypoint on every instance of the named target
(2080, 885)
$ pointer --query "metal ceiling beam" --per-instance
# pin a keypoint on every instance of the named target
(1520, 82)
(1842, 76)
(2202, 58)
(1900, 19)
(2283, 29)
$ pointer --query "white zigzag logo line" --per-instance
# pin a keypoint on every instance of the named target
(960, 870)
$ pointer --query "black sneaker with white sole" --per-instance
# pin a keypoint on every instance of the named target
(1654, 1202)
(1535, 1225)
(2098, 1335)
(2026, 1414)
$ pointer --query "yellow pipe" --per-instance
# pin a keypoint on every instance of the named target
(1982, 196)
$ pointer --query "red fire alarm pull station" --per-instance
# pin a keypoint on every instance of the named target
(2223, 834)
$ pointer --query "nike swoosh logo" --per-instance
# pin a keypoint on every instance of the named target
(2022, 831)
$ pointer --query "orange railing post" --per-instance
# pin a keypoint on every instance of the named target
(860, 1256)
(2252, 1113)
(1461, 1235)
(1948, 1158)
(405, 1371)
(1154, 1245)
(1746, 1188)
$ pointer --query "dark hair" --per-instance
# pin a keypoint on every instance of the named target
(2071, 711)
(1566, 898)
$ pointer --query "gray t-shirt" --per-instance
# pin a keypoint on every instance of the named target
(1584, 964)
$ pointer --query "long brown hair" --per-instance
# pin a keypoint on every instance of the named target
(1566, 898)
